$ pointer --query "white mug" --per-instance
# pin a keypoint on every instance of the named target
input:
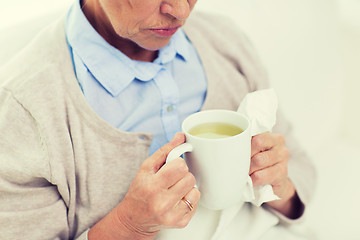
(220, 165)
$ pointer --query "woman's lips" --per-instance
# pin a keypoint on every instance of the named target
(165, 32)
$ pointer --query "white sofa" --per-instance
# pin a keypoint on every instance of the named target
(311, 54)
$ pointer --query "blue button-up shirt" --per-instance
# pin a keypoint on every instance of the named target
(136, 96)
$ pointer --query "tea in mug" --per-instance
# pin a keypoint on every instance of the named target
(214, 130)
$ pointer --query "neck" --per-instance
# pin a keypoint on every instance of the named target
(98, 19)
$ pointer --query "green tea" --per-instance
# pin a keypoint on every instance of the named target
(215, 130)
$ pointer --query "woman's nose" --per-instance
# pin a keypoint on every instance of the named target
(179, 9)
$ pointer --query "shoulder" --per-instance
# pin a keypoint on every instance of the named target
(37, 72)
(42, 52)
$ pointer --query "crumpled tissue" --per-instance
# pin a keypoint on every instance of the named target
(260, 107)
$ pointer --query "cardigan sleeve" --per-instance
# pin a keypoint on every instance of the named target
(30, 205)
(301, 169)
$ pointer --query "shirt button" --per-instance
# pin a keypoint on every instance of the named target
(170, 108)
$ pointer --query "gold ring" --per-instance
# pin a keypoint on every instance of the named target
(188, 203)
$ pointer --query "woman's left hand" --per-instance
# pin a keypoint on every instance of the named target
(269, 165)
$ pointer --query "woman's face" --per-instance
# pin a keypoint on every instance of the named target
(148, 23)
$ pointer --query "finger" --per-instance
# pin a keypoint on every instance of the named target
(172, 172)
(183, 186)
(187, 207)
(268, 158)
(271, 175)
(181, 213)
(190, 200)
(262, 142)
(261, 161)
(157, 160)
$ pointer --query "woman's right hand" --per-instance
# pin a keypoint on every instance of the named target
(155, 200)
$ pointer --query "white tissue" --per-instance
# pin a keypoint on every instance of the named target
(260, 107)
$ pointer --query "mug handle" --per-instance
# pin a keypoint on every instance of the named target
(178, 151)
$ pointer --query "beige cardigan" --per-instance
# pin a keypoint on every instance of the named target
(62, 168)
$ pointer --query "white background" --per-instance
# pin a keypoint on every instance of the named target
(311, 49)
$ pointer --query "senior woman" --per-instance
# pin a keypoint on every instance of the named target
(91, 108)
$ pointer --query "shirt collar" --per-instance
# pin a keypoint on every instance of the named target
(109, 66)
